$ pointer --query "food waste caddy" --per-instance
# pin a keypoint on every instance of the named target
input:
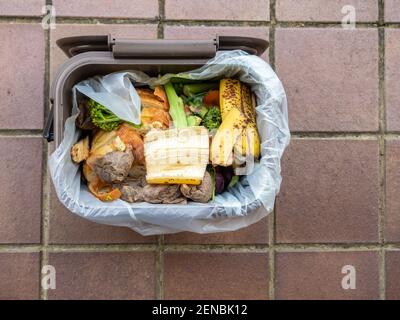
(101, 55)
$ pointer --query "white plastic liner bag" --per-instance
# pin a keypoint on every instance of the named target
(251, 199)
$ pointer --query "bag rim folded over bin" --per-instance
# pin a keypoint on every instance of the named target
(251, 199)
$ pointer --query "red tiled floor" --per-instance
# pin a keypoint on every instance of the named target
(215, 275)
(330, 189)
(21, 84)
(392, 11)
(107, 8)
(19, 276)
(392, 78)
(322, 10)
(330, 77)
(21, 7)
(217, 10)
(329, 192)
(392, 218)
(254, 234)
(392, 264)
(103, 275)
(21, 191)
(319, 275)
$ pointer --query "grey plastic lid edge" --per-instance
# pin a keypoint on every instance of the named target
(72, 46)
(161, 48)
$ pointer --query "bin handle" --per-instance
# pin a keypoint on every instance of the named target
(175, 49)
(163, 48)
(48, 131)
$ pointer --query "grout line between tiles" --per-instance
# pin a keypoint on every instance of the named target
(272, 34)
(160, 269)
(215, 248)
(195, 22)
(217, 23)
(342, 135)
(44, 258)
(20, 248)
(382, 274)
(245, 248)
(161, 11)
(382, 148)
(44, 217)
(344, 247)
(23, 133)
(102, 248)
(271, 254)
(279, 24)
(272, 216)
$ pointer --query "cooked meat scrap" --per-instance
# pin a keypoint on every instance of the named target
(163, 193)
(114, 166)
(132, 189)
(200, 193)
(131, 193)
(137, 171)
(80, 150)
(100, 189)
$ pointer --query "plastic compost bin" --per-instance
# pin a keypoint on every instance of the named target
(101, 55)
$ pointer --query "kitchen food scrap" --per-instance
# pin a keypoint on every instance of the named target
(194, 140)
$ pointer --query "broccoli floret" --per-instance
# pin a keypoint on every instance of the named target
(102, 117)
(212, 119)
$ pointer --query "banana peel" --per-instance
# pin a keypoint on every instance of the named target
(237, 138)
(249, 145)
(229, 132)
(229, 96)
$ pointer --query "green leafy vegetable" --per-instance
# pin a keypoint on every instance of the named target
(176, 107)
(196, 88)
(200, 111)
(102, 117)
(181, 80)
(212, 119)
(193, 121)
(178, 88)
(196, 105)
(195, 100)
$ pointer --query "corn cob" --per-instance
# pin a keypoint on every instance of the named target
(176, 156)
